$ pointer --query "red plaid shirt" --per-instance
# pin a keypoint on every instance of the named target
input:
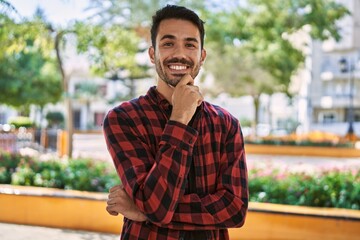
(189, 180)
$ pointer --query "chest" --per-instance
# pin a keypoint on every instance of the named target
(207, 151)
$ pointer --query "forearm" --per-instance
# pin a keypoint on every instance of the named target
(213, 211)
(158, 194)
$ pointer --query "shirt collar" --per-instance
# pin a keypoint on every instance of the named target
(157, 98)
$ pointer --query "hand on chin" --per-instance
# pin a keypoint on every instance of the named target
(174, 80)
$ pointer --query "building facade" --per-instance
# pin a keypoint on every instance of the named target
(334, 90)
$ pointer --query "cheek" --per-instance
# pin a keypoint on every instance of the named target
(158, 57)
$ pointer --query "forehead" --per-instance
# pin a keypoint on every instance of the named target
(179, 28)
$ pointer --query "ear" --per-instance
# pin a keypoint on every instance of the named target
(151, 52)
(203, 56)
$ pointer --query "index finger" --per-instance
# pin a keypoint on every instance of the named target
(186, 80)
(116, 187)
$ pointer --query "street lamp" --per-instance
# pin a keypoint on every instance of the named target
(345, 67)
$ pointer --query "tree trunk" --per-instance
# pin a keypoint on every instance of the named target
(70, 120)
(88, 116)
(256, 100)
(67, 98)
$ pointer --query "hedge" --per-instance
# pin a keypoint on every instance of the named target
(339, 188)
(77, 174)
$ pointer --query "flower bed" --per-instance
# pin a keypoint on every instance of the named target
(76, 174)
(332, 188)
(313, 139)
(335, 188)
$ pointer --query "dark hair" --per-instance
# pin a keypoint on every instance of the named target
(176, 12)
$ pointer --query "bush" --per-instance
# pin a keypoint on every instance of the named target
(55, 119)
(49, 174)
(76, 174)
(331, 188)
(8, 164)
(21, 122)
(89, 175)
(327, 188)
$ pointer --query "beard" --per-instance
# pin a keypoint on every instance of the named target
(174, 79)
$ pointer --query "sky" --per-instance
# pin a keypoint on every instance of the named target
(58, 12)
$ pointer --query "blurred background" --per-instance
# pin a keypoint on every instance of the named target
(280, 67)
(289, 70)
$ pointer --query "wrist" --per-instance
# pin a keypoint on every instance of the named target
(182, 120)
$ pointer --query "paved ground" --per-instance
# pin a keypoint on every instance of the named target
(24, 232)
(93, 145)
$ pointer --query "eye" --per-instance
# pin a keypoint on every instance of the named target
(168, 44)
(190, 45)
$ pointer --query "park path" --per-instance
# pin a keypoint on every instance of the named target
(26, 232)
(93, 145)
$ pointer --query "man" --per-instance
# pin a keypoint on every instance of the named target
(181, 160)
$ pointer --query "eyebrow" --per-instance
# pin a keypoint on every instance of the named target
(169, 36)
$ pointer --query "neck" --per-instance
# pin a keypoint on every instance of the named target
(165, 90)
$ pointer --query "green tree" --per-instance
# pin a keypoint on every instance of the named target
(109, 49)
(112, 52)
(248, 78)
(28, 74)
(250, 37)
(255, 38)
(136, 14)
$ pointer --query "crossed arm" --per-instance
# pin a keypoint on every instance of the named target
(120, 203)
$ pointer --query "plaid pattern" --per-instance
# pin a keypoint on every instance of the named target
(189, 180)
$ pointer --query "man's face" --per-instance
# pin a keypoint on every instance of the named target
(178, 50)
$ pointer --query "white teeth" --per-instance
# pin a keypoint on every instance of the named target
(176, 67)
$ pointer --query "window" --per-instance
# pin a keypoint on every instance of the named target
(329, 118)
(77, 119)
(356, 115)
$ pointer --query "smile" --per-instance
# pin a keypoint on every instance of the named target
(178, 67)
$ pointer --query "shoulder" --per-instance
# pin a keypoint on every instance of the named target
(220, 113)
(126, 113)
(223, 119)
(128, 107)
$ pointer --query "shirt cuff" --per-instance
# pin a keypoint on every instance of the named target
(179, 134)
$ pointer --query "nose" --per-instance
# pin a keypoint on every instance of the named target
(179, 52)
